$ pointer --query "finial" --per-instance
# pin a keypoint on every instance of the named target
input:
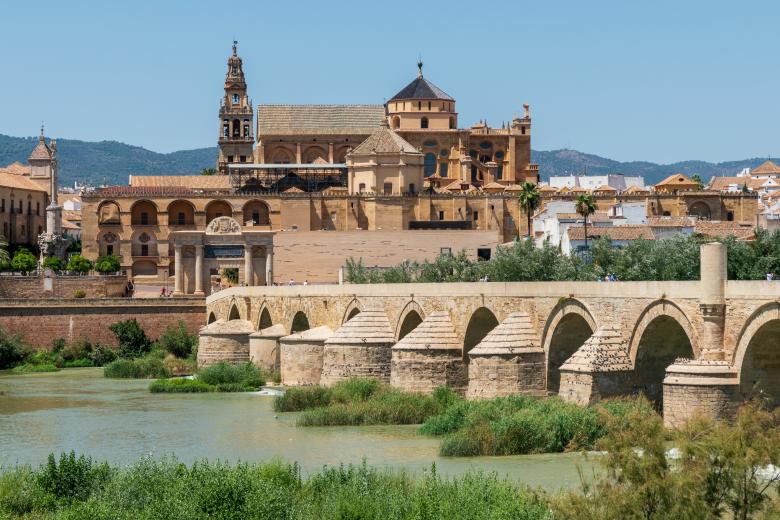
(419, 66)
(41, 136)
(235, 47)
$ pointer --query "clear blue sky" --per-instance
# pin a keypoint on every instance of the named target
(660, 81)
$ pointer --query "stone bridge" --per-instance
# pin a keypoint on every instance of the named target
(691, 347)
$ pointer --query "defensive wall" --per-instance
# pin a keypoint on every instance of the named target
(691, 347)
(41, 321)
(55, 286)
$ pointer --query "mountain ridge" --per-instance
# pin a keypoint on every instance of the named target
(112, 162)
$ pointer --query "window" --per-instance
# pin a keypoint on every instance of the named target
(445, 251)
(144, 249)
(730, 216)
(452, 123)
(5, 229)
(181, 219)
(429, 105)
(242, 158)
(362, 187)
(144, 218)
(2, 205)
(246, 129)
(483, 253)
(230, 158)
(20, 206)
(500, 171)
(396, 122)
(40, 230)
(412, 188)
(429, 166)
(419, 105)
(235, 99)
(388, 188)
(424, 122)
(476, 216)
(255, 217)
(38, 208)
(443, 167)
(441, 215)
(522, 130)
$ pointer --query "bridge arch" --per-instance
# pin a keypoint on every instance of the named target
(211, 319)
(757, 357)
(569, 325)
(264, 319)
(234, 313)
(299, 323)
(482, 321)
(662, 334)
(353, 309)
(411, 316)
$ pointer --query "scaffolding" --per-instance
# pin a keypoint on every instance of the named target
(276, 178)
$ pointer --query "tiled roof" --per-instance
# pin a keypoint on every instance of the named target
(722, 183)
(318, 119)
(384, 140)
(635, 189)
(17, 168)
(421, 88)
(493, 186)
(73, 216)
(41, 151)
(367, 327)
(671, 221)
(724, 229)
(436, 332)
(12, 180)
(514, 335)
(628, 232)
(67, 224)
(144, 191)
(605, 187)
(678, 179)
(195, 182)
(768, 167)
(596, 217)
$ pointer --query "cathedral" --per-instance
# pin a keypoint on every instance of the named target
(323, 183)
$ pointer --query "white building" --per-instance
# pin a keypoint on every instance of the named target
(591, 182)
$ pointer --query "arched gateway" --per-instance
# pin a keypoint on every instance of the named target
(223, 245)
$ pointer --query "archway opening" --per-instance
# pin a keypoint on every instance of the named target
(700, 209)
(760, 372)
(300, 323)
(181, 213)
(218, 208)
(481, 322)
(256, 213)
(265, 319)
(662, 341)
(234, 314)
(410, 322)
(143, 213)
(211, 319)
(569, 335)
(354, 312)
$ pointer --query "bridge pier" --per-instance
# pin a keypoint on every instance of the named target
(264, 349)
(302, 355)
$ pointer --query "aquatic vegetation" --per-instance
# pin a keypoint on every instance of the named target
(28, 368)
(148, 367)
(243, 377)
(180, 386)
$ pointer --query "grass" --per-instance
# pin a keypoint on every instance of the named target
(180, 386)
(148, 367)
(28, 368)
(244, 377)
(520, 425)
(81, 488)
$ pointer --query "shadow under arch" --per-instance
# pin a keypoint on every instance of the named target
(264, 320)
(211, 319)
(411, 316)
(482, 321)
(234, 314)
(569, 325)
(662, 334)
(353, 309)
(757, 357)
(300, 322)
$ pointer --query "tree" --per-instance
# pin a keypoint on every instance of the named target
(24, 261)
(586, 207)
(133, 341)
(529, 199)
(208, 171)
(178, 341)
(79, 264)
(54, 263)
(697, 179)
(107, 264)
(4, 257)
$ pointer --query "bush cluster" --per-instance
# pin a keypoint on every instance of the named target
(133, 341)
(180, 386)
(675, 258)
(148, 367)
(243, 377)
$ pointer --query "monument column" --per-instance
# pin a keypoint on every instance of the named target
(269, 265)
(198, 270)
(298, 153)
(248, 270)
(712, 302)
(178, 275)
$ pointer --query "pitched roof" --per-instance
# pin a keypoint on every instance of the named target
(493, 186)
(421, 88)
(514, 335)
(605, 187)
(627, 232)
(595, 217)
(677, 179)
(604, 351)
(194, 182)
(724, 229)
(41, 151)
(17, 168)
(767, 167)
(635, 189)
(22, 182)
(318, 119)
(143, 191)
(436, 332)
(671, 221)
(370, 326)
(384, 140)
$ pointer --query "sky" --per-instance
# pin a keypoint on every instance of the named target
(661, 81)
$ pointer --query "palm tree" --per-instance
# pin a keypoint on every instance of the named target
(529, 199)
(4, 256)
(586, 207)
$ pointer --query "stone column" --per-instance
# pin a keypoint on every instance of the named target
(269, 265)
(330, 153)
(712, 302)
(199, 270)
(178, 275)
(298, 153)
(248, 271)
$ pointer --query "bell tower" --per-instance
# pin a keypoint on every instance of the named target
(236, 117)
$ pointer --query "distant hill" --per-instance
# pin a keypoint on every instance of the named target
(113, 162)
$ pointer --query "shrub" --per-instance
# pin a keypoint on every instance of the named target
(54, 263)
(108, 264)
(78, 293)
(179, 367)
(73, 478)
(79, 264)
(179, 385)
(178, 341)
(143, 368)
(24, 261)
(79, 363)
(12, 350)
(102, 355)
(302, 398)
(132, 339)
(33, 369)
(245, 374)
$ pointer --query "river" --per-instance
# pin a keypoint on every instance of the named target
(119, 420)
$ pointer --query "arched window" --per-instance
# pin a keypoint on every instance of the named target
(430, 164)
(235, 99)
(396, 122)
(443, 169)
(424, 122)
(236, 128)
(452, 123)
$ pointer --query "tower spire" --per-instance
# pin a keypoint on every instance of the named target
(419, 66)
(235, 47)
(40, 138)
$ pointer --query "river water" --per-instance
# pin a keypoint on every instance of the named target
(119, 421)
